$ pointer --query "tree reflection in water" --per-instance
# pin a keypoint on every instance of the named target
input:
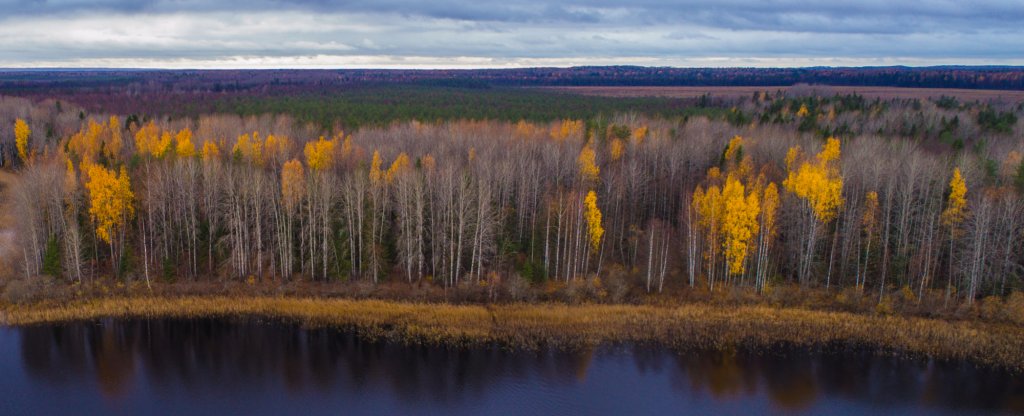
(231, 356)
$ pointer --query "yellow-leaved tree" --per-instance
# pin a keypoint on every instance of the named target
(819, 184)
(320, 154)
(21, 135)
(616, 148)
(293, 184)
(275, 148)
(638, 135)
(248, 148)
(210, 151)
(293, 190)
(162, 146)
(739, 223)
(595, 231)
(587, 161)
(184, 146)
(115, 141)
(565, 129)
(110, 205)
(400, 165)
(146, 137)
(952, 216)
(709, 207)
(803, 111)
(734, 151)
(376, 174)
(346, 146)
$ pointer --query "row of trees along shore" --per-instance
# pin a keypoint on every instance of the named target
(692, 203)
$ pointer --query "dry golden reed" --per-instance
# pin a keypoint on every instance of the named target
(535, 325)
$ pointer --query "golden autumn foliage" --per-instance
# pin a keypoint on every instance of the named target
(94, 138)
(587, 162)
(708, 205)
(739, 222)
(293, 184)
(829, 152)
(639, 134)
(376, 174)
(86, 142)
(249, 148)
(21, 135)
(714, 173)
(162, 146)
(526, 130)
(346, 147)
(595, 231)
(210, 150)
(276, 147)
(399, 166)
(734, 148)
(818, 182)
(956, 203)
(184, 146)
(616, 148)
(566, 129)
(736, 161)
(320, 154)
(110, 199)
(792, 155)
(803, 111)
(115, 140)
(146, 135)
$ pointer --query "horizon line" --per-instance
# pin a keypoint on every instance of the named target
(497, 68)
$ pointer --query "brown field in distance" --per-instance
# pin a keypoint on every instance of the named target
(884, 93)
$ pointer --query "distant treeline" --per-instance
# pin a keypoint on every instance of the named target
(971, 77)
(350, 99)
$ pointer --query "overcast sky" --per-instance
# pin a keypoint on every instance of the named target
(506, 33)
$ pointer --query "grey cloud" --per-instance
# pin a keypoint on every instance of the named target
(491, 30)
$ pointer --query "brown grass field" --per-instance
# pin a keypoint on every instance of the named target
(884, 93)
(567, 326)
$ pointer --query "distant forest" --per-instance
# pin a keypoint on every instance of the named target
(349, 99)
(973, 77)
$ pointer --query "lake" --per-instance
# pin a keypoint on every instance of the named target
(253, 366)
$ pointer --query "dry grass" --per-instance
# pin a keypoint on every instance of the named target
(884, 93)
(534, 325)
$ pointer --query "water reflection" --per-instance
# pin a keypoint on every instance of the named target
(232, 357)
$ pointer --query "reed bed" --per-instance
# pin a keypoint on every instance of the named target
(568, 326)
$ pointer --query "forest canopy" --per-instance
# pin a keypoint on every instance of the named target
(919, 199)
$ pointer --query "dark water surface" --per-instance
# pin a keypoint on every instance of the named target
(247, 366)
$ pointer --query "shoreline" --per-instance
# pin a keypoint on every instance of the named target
(531, 326)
